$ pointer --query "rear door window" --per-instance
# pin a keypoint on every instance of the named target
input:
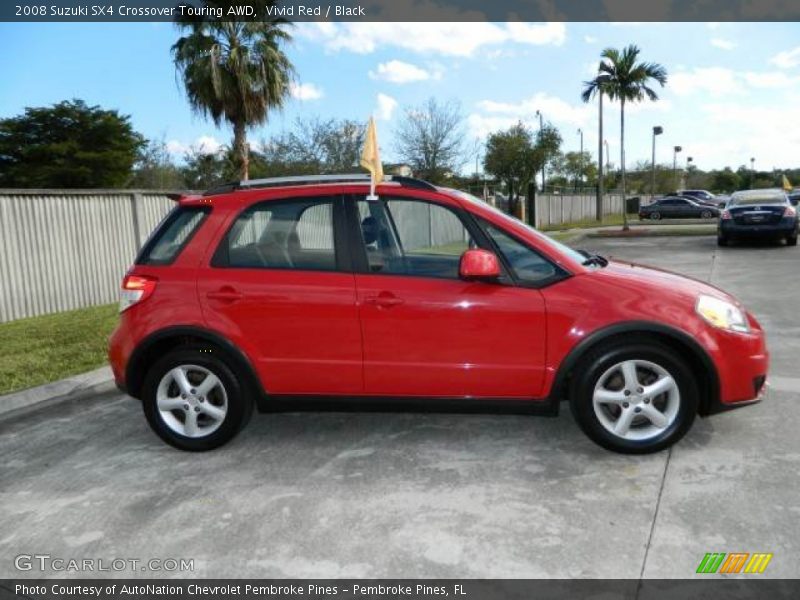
(172, 235)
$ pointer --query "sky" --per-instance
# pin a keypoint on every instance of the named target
(733, 91)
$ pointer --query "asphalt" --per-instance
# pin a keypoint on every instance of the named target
(421, 495)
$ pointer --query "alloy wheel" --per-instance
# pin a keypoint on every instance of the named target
(192, 401)
(636, 400)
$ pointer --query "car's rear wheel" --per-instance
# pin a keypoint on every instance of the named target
(193, 400)
(722, 240)
(634, 398)
(791, 240)
(655, 216)
(706, 214)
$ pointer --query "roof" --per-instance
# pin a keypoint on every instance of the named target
(304, 180)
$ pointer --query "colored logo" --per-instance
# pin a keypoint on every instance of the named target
(735, 562)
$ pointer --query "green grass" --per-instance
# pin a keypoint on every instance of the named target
(48, 348)
(587, 223)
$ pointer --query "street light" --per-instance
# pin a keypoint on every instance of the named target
(689, 160)
(752, 171)
(541, 127)
(675, 165)
(608, 162)
(657, 130)
(580, 157)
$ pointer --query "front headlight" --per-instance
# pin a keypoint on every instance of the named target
(722, 314)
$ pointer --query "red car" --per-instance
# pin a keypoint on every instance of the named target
(267, 293)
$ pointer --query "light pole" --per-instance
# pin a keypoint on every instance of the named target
(675, 165)
(541, 128)
(657, 130)
(608, 162)
(752, 171)
(580, 158)
(689, 161)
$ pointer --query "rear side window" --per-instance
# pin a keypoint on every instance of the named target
(295, 234)
(172, 235)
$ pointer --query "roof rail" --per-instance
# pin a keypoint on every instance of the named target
(312, 179)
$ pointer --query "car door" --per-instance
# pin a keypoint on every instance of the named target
(279, 283)
(426, 331)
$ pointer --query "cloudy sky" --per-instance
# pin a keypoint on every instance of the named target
(732, 94)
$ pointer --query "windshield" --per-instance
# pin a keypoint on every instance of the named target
(558, 246)
(751, 199)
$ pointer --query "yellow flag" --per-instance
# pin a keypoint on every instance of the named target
(370, 156)
(786, 184)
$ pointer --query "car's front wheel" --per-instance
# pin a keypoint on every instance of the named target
(193, 401)
(655, 216)
(634, 398)
(706, 214)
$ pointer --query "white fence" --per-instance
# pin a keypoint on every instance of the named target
(61, 250)
(554, 209)
(67, 249)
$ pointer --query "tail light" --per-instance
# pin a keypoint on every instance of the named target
(790, 211)
(135, 289)
(725, 215)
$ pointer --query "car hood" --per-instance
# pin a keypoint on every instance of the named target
(652, 280)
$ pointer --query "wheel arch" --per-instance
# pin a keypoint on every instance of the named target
(699, 361)
(165, 340)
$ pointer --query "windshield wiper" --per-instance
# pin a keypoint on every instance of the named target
(593, 259)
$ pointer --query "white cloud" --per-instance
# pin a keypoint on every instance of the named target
(445, 38)
(719, 81)
(305, 91)
(786, 59)
(590, 39)
(397, 71)
(204, 143)
(552, 108)
(723, 44)
(385, 108)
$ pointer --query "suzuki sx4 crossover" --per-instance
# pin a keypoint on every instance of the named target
(270, 293)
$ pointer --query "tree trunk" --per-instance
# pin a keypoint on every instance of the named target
(240, 150)
(622, 161)
(600, 165)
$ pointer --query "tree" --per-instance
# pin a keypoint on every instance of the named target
(576, 168)
(317, 146)
(202, 169)
(235, 71)
(515, 155)
(430, 140)
(68, 145)
(622, 78)
(155, 168)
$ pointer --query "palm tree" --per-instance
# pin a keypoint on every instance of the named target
(234, 72)
(621, 78)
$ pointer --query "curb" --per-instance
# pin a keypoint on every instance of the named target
(77, 387)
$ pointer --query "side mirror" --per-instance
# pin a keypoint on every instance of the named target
(479, 264)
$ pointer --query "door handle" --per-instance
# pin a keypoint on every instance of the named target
(226, 294)
(383, 300)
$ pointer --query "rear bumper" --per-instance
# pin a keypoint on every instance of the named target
(786, 226)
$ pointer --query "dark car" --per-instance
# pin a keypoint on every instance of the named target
(702, 197)
(758, 213)
(794, 197)
(675, 207)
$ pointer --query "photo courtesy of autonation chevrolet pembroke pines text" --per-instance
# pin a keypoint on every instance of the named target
(399, 299)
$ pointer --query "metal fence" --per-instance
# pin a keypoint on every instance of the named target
(555, 209)
(61, 250)
(67, 249)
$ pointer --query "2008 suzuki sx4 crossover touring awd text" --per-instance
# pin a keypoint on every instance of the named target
(270, 293)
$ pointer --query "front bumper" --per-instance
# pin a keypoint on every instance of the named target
(742, 362)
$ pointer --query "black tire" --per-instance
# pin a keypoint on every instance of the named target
(239, 402)
(597, 362)
(791, 240)
(722, 240)
(706, 214)
(655, 216)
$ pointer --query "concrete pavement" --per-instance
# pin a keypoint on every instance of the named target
(419, 495)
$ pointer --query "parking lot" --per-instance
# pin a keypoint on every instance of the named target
(420, 495)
